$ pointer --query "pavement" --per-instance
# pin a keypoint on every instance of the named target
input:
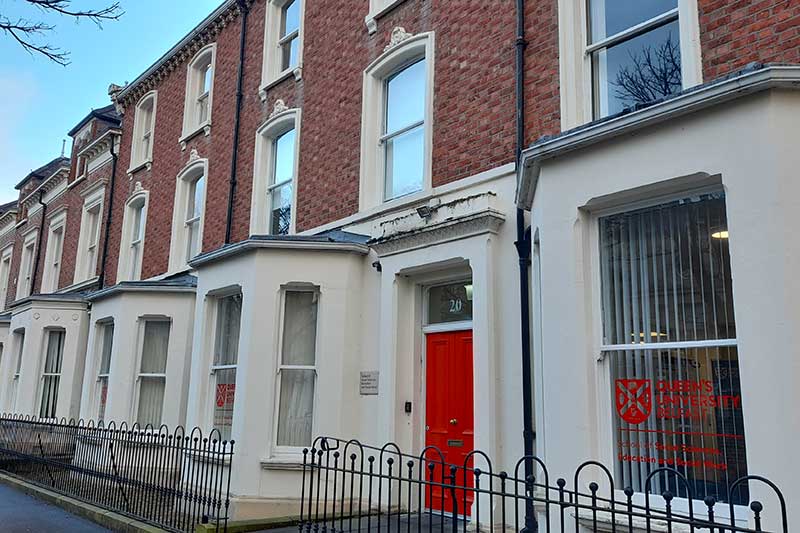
(20, 513)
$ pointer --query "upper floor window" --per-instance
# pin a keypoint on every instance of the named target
(187, 221)
(397, 121)
(55, 246)
(143, 125)
(282, 40)
(19, 346)
(403, 136)
(199, 91)
(635, 53)
(89, 239)
(132, 242)
(5, 274)
(26, 266)
(275, 174)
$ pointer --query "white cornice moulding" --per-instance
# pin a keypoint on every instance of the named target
(703, 97)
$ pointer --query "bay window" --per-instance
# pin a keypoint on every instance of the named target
(51, 374)
(106, 334)
(226, 357)
(19, 346)
(669, 338)
(297, 372)
(152, 377)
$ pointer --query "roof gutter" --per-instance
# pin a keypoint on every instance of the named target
(39, 244)
(101, 281)
(693, 100)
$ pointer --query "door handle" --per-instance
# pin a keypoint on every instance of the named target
(453, 421)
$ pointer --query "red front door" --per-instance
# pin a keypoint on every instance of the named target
(449, 415)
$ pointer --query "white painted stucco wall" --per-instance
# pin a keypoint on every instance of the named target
(751, 145)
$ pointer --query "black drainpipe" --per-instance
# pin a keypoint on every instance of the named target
(102, 277)
(237, 118)
(523, 245)
(39, 244)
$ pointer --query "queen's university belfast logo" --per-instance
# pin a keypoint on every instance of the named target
(634, 399)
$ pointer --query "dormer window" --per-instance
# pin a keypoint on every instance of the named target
(142, 148)
(199, 92)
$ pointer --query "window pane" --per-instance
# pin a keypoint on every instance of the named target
(105, 354)
(296, 408)
(405, 97)
(640, 70)
(151, 401)
(284, 147)
(450, 303)
(193, 241)
(404, 163)
(136, 230)
(207, 76)
(291, 18)
(49, 396)
(226, 348)
(196, 194)
(680, 409)
(154, 348)
(103, 392)
(610, 17)
(666, 274)
(281, 209)
(300, 328)
(55, 351)
(223, 401)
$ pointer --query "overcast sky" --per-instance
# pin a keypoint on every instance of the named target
(41, 101)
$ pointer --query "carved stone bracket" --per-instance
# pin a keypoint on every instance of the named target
(278, 108)
(399, 34)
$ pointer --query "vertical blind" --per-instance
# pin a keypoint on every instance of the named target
(666, 279)
(152, 375)
(51, 374)
(297, 372)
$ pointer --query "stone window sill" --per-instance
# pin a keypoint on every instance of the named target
(384, 6)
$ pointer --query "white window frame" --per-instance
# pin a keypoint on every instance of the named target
(6, 257)
(605, 409)
(44, 374)
(215, 366)
(377, 9)
(266, 135)
(141, 326)
(295, 452)
(140, 155)
(195, 79)
(102, 376)
(89, 245)
(129, 267)
(19, 347)
(575, 61)
(26, 265)
(271, 71)
(180, 231)
(55, 250)
(372, 170)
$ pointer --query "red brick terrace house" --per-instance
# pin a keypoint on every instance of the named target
(316, 196)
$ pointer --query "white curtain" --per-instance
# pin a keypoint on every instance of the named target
(154, 366)
(666, 278)
(52, 374)
(297, 384)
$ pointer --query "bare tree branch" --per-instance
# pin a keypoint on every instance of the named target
(26, 32)
(653, 74)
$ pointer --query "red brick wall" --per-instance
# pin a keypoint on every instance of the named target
(735, 33)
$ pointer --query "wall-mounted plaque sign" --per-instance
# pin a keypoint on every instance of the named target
(368, 384)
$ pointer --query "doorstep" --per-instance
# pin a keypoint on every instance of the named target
(98, 515)
(246, 526)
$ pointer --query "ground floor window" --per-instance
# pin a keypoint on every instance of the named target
(669, 336)
(226, 357)
(297, 370)
(106, 331)
(51, 374)
(153, 372)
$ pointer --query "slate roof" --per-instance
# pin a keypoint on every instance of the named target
(44, 171)
(177, 282)
(107, 113)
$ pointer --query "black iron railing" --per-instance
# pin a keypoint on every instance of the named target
(348, 486)
(173, 480)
